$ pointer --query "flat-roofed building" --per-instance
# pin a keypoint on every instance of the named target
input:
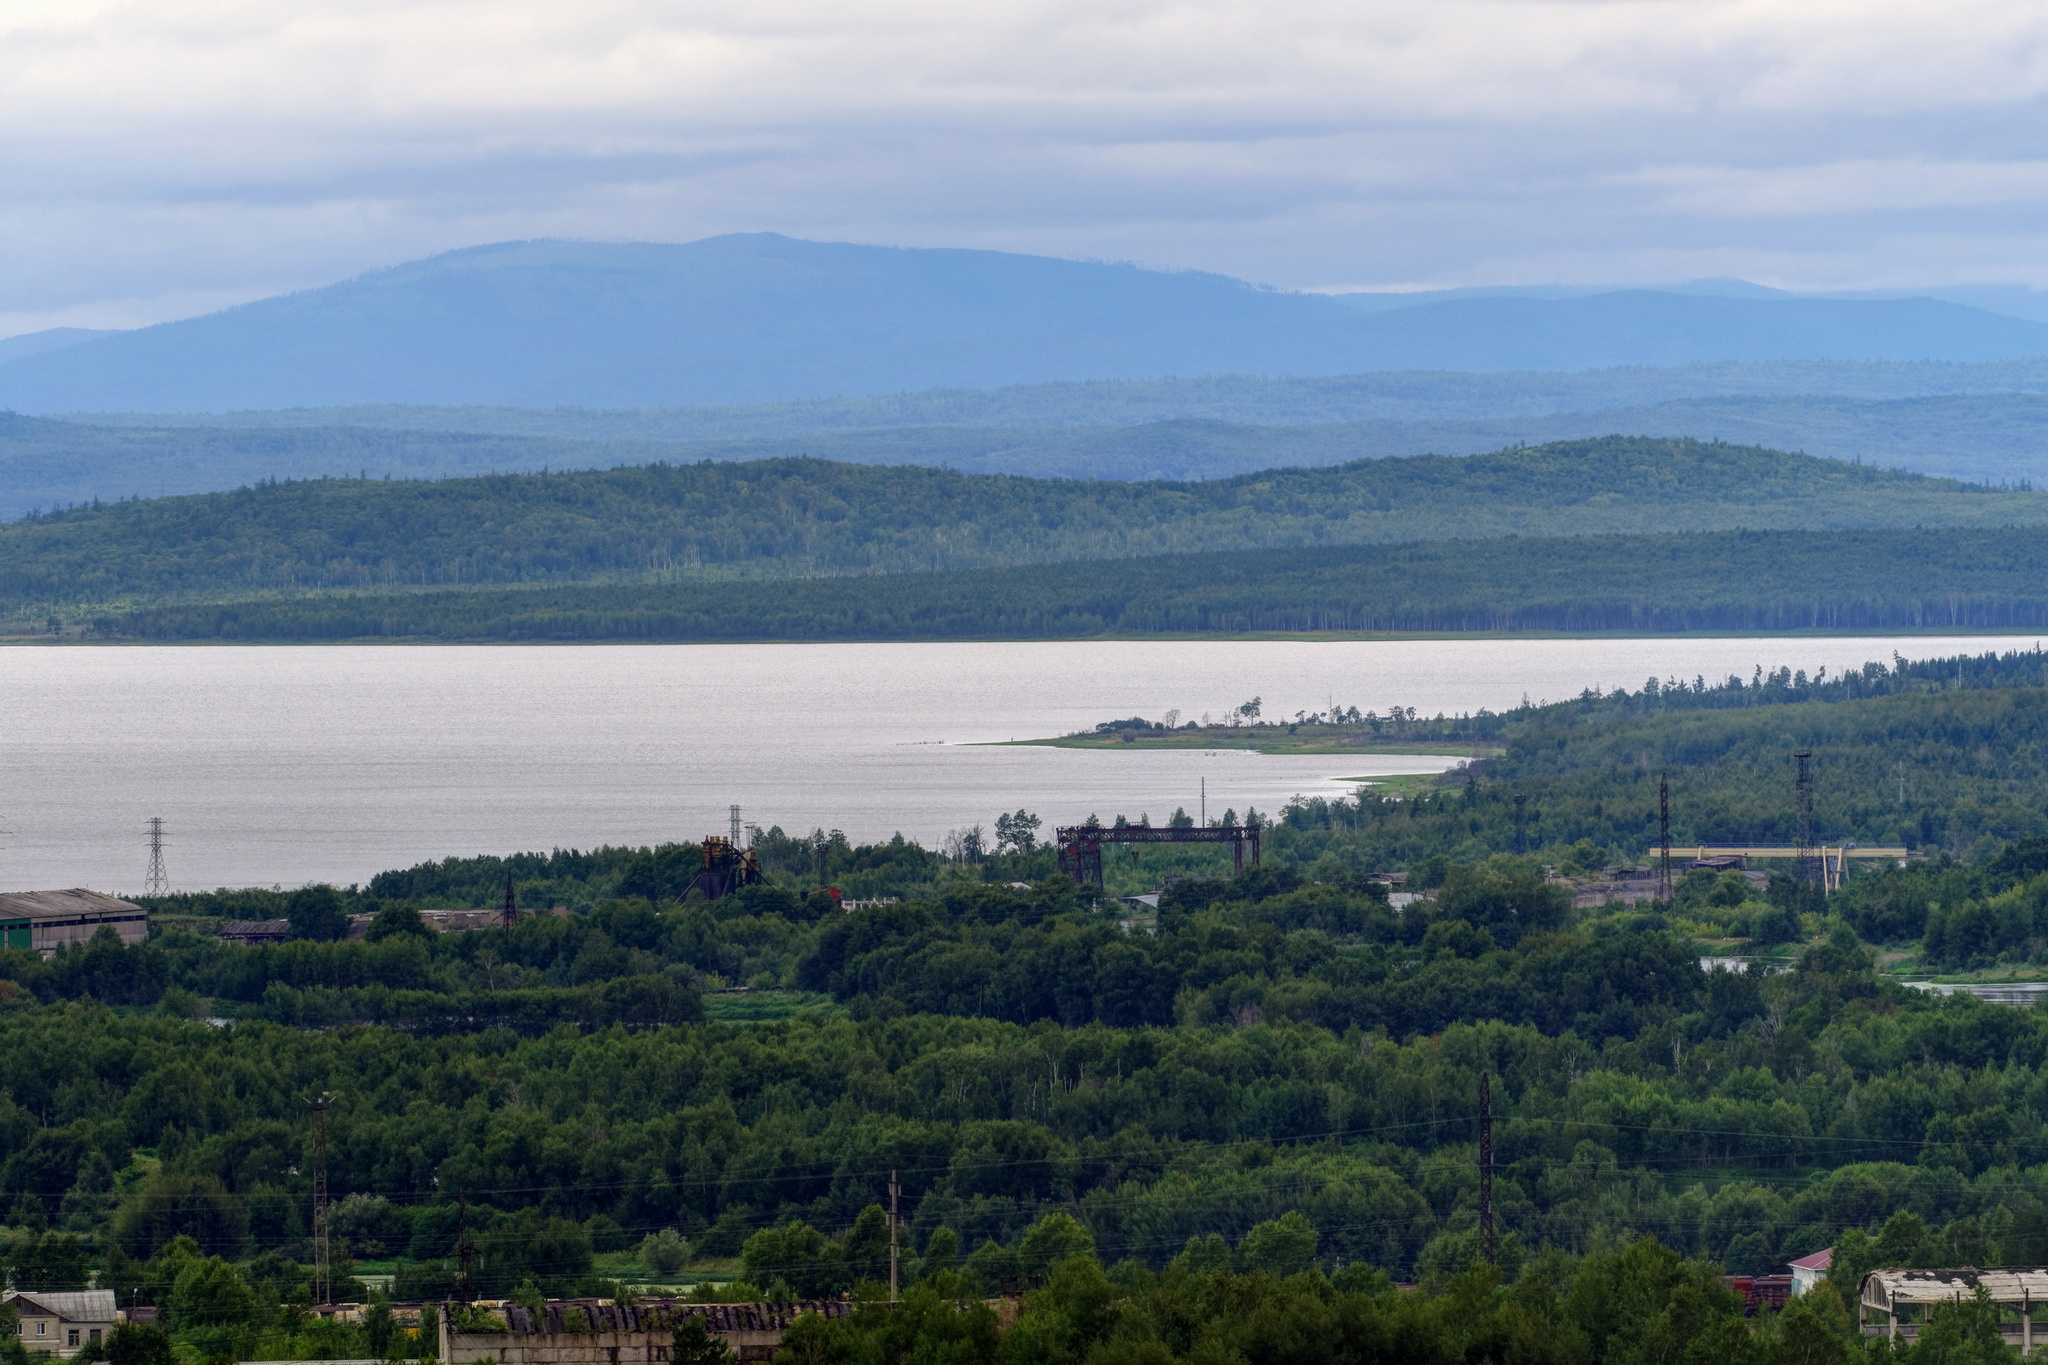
(45, 921)
(64, 1323)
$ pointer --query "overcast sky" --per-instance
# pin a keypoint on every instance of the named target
(165, 157)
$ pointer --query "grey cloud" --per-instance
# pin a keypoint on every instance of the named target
(189, 150)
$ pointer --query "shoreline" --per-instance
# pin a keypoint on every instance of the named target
(1281, 637)
(1280, 743)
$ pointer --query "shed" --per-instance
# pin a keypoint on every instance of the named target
(64, 1323)
(1809, 1271)
(45, 921)
(1896, 1302)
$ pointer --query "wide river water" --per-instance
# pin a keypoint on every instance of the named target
(282, 765)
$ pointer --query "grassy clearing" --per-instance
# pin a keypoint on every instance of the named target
(759, 1007)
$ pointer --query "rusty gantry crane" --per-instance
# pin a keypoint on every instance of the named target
(727, 867)
(1081, 845)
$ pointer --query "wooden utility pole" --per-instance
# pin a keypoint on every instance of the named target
(323, 1256)
(895, 1249)
(465, 1255)
(1489, 1248)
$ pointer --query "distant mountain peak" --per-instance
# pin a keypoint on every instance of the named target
(753, 317)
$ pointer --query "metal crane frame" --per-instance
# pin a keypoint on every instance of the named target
(1081, 845)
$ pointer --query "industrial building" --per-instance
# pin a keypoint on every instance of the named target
(45, 921)
(1897, 1303)
(594, 1332)
(64, 1323)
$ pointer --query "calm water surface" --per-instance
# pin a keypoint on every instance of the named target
(277, 766)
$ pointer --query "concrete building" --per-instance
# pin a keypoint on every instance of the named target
(45, 921)
(64, 1323)
(593, 1332)
(1897, 1303)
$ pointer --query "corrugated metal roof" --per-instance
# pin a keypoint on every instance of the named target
(62, 904)
(1820, 1260)
(73, 1305)
(1884, 1288)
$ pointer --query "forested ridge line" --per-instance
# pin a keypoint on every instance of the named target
(803, 517)
(1711, 581)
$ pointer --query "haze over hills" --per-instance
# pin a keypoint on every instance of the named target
(760, 317)
(1995, 438)
(800, 518)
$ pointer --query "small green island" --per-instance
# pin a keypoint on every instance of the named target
(1339, 730)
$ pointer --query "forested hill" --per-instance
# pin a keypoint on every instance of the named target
(800, 517)
(1897, 580)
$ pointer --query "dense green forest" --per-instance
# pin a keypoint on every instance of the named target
(1720, 581)
(1263, 1097)
(797, 517)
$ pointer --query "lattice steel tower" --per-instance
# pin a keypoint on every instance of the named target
(1663, 841)
(323, 1250)
(158, 883)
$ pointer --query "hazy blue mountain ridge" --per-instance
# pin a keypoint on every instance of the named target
(1996, 438)
(1392, 396)
(758, 317)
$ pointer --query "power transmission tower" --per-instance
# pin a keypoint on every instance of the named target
(1808, 862)
(1489, 1247)
(895, 1252)
(323, 1257)
(1521, 841)
(158, 883)
(1663, 841)
(509, 915)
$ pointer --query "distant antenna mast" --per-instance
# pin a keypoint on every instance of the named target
(1809, 865)
(323, 1254)
(1489, 1247)
(510, 913)
(1521, 840)
(1663, 841)
(735, 826)
(158, 883)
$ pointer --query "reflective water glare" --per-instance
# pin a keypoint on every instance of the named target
(280, 765)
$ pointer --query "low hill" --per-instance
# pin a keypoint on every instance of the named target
(1742, 581)
(1995, 437)
(755, 317)
(800, 517)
